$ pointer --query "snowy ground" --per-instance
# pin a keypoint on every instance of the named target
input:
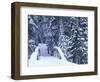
(48, 61)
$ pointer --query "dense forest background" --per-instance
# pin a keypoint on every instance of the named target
(67, 32)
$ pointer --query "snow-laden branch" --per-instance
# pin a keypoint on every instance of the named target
(50, 23)
(32, 22)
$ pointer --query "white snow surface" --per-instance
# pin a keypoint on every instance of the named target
(48, 60)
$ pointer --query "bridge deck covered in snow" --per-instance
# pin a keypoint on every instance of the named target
(48, 60)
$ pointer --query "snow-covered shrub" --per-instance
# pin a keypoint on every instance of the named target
(31, 47)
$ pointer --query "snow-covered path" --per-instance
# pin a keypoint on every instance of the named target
(48, 61)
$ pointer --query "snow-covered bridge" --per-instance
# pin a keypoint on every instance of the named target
(47, 60)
